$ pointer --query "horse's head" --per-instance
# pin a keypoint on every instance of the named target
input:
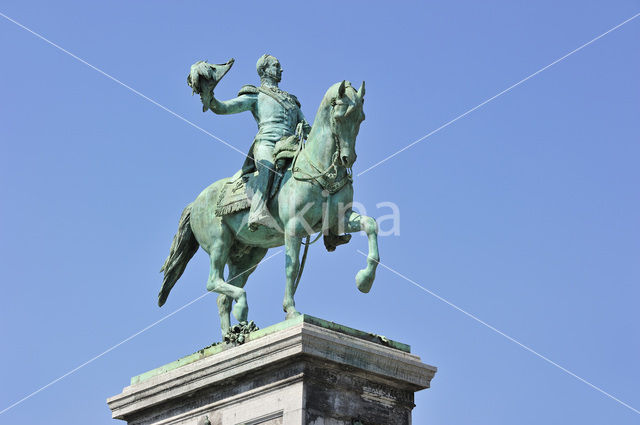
(343, 104)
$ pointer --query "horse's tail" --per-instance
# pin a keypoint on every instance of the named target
(183, 247)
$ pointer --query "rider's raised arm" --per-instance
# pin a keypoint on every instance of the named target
(244, 102)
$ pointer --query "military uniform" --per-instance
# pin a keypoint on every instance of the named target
(277, 114)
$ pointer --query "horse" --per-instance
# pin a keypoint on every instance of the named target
(315, 195)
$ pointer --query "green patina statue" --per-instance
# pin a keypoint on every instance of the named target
(286, 191)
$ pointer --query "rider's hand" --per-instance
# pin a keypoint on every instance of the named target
(206, 97)
(207, 85)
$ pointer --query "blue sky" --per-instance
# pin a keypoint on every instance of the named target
(523, 213)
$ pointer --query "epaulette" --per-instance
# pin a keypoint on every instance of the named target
(248, 89)
(296, 100)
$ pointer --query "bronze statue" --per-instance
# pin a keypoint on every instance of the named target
(293, 189)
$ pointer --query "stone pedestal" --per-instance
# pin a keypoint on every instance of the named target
(301, 371)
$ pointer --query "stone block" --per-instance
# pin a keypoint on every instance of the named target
(301, 371)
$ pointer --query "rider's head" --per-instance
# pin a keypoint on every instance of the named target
(269, 68)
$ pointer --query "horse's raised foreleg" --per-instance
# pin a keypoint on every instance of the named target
(239, 271)
(355, 222)
(292, 266)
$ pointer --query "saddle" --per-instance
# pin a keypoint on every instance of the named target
(235, 193)
(284, 151)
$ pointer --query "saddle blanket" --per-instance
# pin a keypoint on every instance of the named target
(233, 197)
(235, 194)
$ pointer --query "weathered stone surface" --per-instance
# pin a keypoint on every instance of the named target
(301, 371)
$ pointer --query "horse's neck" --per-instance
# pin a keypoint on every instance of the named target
(320, 147)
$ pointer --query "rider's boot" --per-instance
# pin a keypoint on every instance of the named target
(259, 213)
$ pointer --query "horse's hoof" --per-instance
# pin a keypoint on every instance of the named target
(292, 315)
(364, 280)
(240, 311)
(224, 330)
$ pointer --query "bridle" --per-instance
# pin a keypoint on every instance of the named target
(324, 178)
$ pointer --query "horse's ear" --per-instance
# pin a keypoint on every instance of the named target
(341, 89)
(361, 91)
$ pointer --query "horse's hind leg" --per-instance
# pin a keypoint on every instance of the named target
(239, 270)
(224, 311)
(218, 255)
(355, 222)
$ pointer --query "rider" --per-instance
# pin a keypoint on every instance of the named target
(277, 114)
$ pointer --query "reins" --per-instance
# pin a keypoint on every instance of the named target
(324, 178)
(304, 259)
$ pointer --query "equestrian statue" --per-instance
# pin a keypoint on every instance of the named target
(287, 190)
